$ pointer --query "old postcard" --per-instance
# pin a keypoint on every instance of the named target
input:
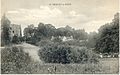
(59, 37)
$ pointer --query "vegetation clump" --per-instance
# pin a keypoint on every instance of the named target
(15, 60)
(63, 53)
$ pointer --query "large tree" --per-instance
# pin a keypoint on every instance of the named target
(5, 33)
(108, 40)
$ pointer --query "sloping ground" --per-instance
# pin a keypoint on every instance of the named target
(32, 50)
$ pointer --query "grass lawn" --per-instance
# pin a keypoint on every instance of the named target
(106, 66)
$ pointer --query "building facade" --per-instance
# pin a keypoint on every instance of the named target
(15, 30)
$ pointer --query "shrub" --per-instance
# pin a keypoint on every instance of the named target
(44, 43)
(57, 39)
(14, 60)
(76, 42)
(55, 54)
(60, 53)
(15, 39)
(82, 55)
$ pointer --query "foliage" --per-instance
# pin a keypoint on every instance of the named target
(76, 42)
(92, 38)
(47, 31)
(43, 43)
(5, 33)
(80, 34)
(54, 54)
(14, 60)
(15, 39)
(108, 40)
(61, 53)
(57, 39)
(83, 55)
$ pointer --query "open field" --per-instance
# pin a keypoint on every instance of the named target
(106, 66)
(110, 65)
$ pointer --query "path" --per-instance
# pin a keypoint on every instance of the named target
(32, 50)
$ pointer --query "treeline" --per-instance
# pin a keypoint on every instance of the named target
(105, 41)
(46, 31)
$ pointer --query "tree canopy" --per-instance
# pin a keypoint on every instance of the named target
(46, 31)
(108, 40)
(5, 33)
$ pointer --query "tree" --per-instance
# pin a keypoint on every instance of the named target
(55, 54)
(5, 33)
(45, 31)
(80, 34)
(108, 40)
(65, 54)
(92, 37)
(57, 39)
(15, 39)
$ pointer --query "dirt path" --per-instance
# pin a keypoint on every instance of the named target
(32, 50)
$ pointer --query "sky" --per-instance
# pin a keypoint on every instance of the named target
(79, 14)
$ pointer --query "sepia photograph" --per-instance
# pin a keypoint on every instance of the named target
(59, 37)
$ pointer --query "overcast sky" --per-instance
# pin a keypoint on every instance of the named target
(87, 14)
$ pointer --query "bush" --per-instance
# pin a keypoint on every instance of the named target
(75, 42)
(44, 43)
(15, 39)
(60, 53)
(57, 39)
(82, 55)
(14, 60)
(54, 54)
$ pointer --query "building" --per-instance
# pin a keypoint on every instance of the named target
(15, 30)
(63, 38)
(8, 31)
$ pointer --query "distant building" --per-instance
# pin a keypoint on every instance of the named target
(10, 29)
(15, 30)
(63, 38)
